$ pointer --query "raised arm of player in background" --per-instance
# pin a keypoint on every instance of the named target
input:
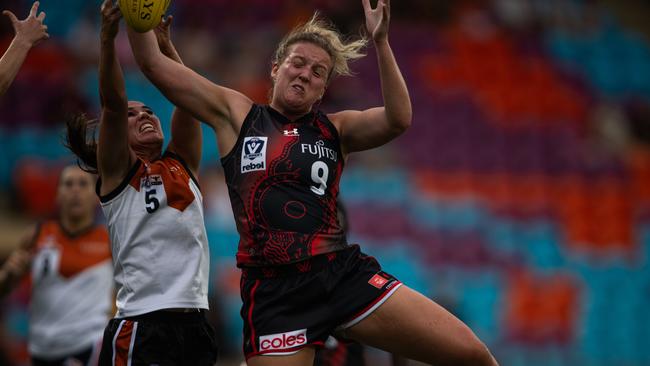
(28, 33)
(114, 158)
(363, 130)
(18, 263)
(187, 137)
(222, 108)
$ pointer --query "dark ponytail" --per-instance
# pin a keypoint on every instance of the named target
(80, 139)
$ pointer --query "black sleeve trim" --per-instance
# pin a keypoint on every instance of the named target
(173, 155)
(242, 133)
(120, 188)
(79, 233)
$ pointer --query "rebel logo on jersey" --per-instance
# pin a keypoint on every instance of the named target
(282, 341)
(253, 155)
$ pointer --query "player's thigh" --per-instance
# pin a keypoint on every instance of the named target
(411, 325)
(304, 357)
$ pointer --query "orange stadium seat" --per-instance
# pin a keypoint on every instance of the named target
(36, 184)
(540, 310)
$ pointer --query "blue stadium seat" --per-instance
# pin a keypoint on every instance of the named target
(360, 184)
(480, 304)
(541, 243)
(503, 235)
(61, 19)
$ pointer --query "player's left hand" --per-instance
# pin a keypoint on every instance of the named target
(162, 31)
(377, 19)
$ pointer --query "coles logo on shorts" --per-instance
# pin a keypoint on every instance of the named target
(283, 341)
(253, 154)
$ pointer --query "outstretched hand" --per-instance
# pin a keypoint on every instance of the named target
(111, 16)
(163, 35)
(162, 31)
(377, 19)
(30, 30)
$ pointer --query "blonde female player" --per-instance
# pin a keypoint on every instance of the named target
(301, 280)
(153, 207)
(71, 277)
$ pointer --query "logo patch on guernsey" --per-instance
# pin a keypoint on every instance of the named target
(151, 180)
(378, 281)
(292, 133)
(319, 149)
(283, 341)
(253, 154)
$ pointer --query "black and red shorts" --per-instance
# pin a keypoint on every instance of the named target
(159, 338)
(286, 308)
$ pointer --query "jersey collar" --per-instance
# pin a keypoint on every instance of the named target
(284, 120)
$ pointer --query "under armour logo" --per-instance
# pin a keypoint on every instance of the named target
(292, 133)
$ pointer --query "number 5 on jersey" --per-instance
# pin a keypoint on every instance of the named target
(151, 202)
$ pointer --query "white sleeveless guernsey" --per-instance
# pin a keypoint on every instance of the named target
(158, 239)
(72, 283)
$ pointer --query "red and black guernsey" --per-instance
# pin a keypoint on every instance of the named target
(283, 180)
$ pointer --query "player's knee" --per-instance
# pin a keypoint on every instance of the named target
(470, 351)
(478, 354)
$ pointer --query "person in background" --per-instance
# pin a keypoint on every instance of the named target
(71, 276)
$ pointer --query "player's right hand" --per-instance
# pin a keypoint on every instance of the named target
(17, 263)
(30, 30)
(111, 16)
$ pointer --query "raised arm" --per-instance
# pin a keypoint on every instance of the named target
(222, 108)
(362, 130)
(187, 138)
(28, 33)
(17, 265)
(114, 158)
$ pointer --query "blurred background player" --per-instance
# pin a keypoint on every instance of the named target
(154, 211)
(337, 353)
(301, 280)
(28, 32)
(71, 277)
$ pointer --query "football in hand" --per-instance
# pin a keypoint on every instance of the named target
(143, 15)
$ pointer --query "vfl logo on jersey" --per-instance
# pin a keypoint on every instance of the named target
(151, 180)
(319, 150)
(253, 155)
